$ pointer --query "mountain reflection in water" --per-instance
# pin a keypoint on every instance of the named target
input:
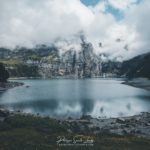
(73, 98)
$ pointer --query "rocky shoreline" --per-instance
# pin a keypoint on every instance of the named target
(139, 83)
(9, 85)
(137, 125)
(27, 131)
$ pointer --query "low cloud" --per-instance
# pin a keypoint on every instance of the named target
(27, 23)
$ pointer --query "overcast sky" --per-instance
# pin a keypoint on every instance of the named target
(121, 26)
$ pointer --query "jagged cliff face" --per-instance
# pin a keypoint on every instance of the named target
(49, 63)
(91, 64)
(82, 64)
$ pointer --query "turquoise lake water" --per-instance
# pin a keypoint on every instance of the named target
(73, 98)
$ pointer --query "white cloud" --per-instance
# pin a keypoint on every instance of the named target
(121, 4)
(27, 23)
(137, 19)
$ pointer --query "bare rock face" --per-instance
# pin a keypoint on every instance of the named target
(90, 61)
(80, 64)
(48, 62)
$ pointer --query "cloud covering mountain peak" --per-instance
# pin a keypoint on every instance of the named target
(27, 23)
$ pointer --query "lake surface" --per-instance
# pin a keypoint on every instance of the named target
(73, 98)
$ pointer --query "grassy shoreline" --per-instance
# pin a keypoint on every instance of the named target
(26, 131)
